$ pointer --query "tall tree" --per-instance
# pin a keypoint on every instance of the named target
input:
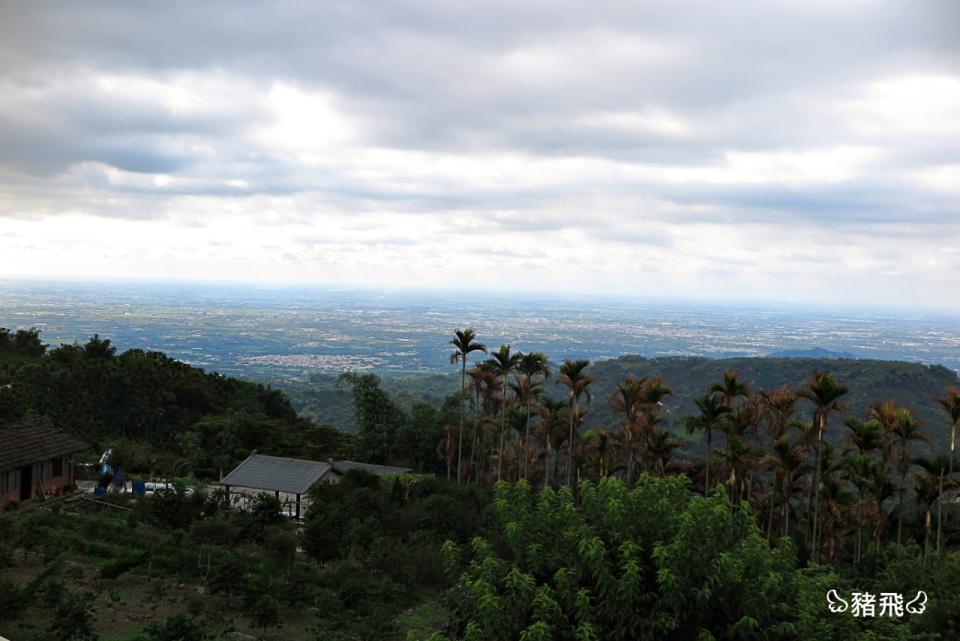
(905, 431)
(713, 412)
(577, 381)
(824, 392)
(789, 462)
(531, 366)
(503, 362)
(951, 405)
(865, 439)
(464, 344)
(777, 408)
(627, 398)
(660, 449)
(554, 434)
(860, 470)
(379, 419)
(935, 468)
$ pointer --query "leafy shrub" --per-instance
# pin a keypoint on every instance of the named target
(171, 508)
(225, 576)
(6, 556)
(281, 546)
(73, 618)
(12, 599)
(265, 611)
(647, 562)
(113, 569)
(264, 512)
(51, 592)
(178, 627)
(215, 530)
(300, 585)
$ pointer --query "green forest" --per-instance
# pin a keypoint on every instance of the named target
(628, 499)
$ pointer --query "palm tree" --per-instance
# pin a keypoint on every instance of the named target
(730, 388)
(880, 488)
(531, 365)
(660, 449)
(904, 431)
(515, 422)
(928, 490)
(463, 342)
(824, 392)
(713, 411)
(777, 407)
(865, 438)
(503, 362)
(835, 499)
(935, 468)
(486, 386)
(577, 382)
(627, 398)
(445, 448)
(554, 433)
(951, 405)
(743, 423)
(860, 470)
(737, 456)
(527, 390)
(789, 462)
(603, 440)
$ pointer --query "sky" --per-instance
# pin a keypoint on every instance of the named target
(785, 150)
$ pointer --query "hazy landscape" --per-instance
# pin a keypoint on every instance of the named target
(274, 332)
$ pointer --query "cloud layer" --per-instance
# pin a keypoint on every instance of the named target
(781, 150)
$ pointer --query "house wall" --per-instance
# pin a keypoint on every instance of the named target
(56, 474)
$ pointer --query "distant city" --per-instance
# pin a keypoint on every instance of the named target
(263, 332)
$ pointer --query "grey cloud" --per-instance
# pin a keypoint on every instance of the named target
(495, 77)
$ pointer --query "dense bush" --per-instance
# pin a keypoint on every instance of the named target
(652, 562)
(177, 628)
(13, 597)
(171, 508)
(391, 526)
(73, 618)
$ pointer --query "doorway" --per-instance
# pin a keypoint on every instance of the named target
(26, 482)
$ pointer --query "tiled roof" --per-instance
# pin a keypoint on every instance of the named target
(294, 476)
(345, 466)
(275, 473)
(21, 444)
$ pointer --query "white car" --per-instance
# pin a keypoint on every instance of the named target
(152, 486)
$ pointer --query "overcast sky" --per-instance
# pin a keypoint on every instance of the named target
(780, 150)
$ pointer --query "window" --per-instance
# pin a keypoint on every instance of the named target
(56, 466)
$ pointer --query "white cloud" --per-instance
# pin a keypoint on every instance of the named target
(794, 149)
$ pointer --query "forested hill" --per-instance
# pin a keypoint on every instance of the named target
(158, 414)
(912, 385)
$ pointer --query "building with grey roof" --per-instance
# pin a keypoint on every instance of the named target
(295, 476)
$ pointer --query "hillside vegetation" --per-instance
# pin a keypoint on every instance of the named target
(914, 385)
(706, 500)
